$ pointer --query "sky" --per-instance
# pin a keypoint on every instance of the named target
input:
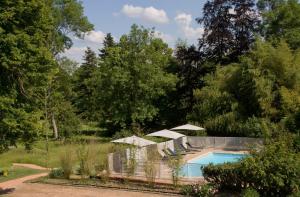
(172, 20)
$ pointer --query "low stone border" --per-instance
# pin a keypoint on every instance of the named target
(78, 183)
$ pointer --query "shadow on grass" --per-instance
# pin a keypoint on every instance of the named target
(6, 191)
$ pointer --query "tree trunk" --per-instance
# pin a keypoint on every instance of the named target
(55, 131)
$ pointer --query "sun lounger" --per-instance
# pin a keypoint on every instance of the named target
(194, 147)
(174, 152)
(186, 149)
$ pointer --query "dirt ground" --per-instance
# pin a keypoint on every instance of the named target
(44, 190)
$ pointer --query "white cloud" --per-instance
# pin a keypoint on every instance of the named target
(94, 36)
(75, 53)
(165, 37)
(232, 11)
(185, 21)
(149, 14)
(92, 39)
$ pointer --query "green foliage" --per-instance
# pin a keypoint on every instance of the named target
(56, 173)
(251, 97)
(296, 143)
(225, 176)
(273, 171)
(197, 190)
(175, 163)
(68, 19)
(131, 162)
(281, 21)
(122, 134)
(67, 162)
(15, 172)
(131, 77)
(3, 172)
(83, 158)
(151, 166)
(83, 99)
(250, 193)
(25, 29)
(32, 33)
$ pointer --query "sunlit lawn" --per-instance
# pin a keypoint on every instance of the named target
(38, 154)
(18, 172)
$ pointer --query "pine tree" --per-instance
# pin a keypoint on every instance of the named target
(82, 86)
(107, 43)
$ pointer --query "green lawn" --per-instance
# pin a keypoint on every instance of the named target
(18, 172)
(38, 155)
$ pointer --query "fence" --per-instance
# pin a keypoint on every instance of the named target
(118, 162)
(160, 170)
(234, 143)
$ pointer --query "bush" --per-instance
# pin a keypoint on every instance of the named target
(56, 173)
(274, 171)
(67, 162)
(151, 166)
(175, 164)
(3, 172)
(122, 134)
(296, 143)
(87, 156)
(197, 190)
(250, 193)
(224, 176)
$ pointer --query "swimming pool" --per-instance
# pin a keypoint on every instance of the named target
(193, 167)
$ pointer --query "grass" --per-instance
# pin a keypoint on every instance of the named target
(18, 172)
(39, 157)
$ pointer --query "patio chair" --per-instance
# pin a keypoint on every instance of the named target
(174, 152)
(183, 148)
(196, 148)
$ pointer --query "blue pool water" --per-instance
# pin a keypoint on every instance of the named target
(193, 167)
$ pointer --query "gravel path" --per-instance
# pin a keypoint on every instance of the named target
(46, 190)
(17, 188)
(32, 166)
(13, 184)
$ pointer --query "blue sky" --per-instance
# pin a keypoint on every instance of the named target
(172, 19)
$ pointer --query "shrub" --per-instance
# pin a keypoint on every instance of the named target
(249, 192)
(121, 134)
(274, 171)
(67, 162)
(175, 164)
(152, 165)
(197, 190)
(3, 172)
(56, 173)
(131, 163)
(87, 156)
(224, 176)
(296, 143)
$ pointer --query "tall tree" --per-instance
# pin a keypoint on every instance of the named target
(245, 26)
(229, 29)
(191, 70)
(32, 33)
(69, 20)
(82, 86)
(250, 97)
(217, 39)
(131, 78)
(107, 43)
(281, 20)
(26, 28)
